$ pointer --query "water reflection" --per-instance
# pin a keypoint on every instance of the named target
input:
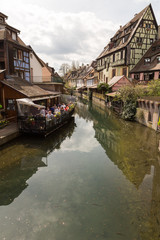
(20, 160)
(98, 179)
(134, 150)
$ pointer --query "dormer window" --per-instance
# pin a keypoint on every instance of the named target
(139, 40)
(123, 40)
(158, 59)
(14, 36)
(147, 60)
(151, 40)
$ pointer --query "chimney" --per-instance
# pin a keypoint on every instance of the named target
(135, 14)
(120, 26)
(159, 32)
(47, 64)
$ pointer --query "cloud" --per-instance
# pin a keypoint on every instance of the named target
(61, 37)
(85, 138)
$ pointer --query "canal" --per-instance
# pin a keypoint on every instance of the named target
(97, 178)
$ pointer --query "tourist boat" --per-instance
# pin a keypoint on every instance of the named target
(31, 121)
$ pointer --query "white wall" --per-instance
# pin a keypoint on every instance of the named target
(37, 68)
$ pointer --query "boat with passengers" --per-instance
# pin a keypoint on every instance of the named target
(35, 119)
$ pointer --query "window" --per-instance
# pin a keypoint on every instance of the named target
(148, 25)
(15, 53)
(136, 76)
(147, 60)
(20, 57)
(124, 71)
(123, 40)
(113, 72)
(14, 36)
(139, 40)
(158, 59)
(121, 54)
(151, 40)
(114, 57)
(11, 104)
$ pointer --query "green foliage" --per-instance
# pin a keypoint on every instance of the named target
(158, 122)
(103, 87)
(129, 110)
(0, 106)
(154, 88)
(3, 123)
(129, 97)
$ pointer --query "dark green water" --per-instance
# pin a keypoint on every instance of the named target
(98, 178)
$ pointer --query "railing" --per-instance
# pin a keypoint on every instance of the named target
(40, 79)
(42, 125)
(118, 62)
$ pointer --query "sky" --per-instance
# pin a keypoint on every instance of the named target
(62, 31)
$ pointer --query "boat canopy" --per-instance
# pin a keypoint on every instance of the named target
(28, 108)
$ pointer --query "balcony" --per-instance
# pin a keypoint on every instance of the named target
(118, 63)
(99, 68)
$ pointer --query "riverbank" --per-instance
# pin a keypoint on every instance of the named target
(9, 133)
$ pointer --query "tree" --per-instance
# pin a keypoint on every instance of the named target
(129, 96)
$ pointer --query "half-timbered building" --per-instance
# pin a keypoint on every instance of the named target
(14, 54)
(148, 68)
(128, 45)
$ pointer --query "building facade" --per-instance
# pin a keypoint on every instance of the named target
(14, 54)
(128, 46)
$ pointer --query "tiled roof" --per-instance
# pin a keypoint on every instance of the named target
(121, 33)
(114, 80)
(152, 53)
(25, 87)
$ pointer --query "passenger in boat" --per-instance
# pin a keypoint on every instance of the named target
(63, 105)
(57, 110)
(52, 109)
(62, 109)
(42, 112)
(66, 108)
(49, 115)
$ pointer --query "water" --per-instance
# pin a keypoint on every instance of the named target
(97, 178)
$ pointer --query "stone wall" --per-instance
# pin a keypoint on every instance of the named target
(148, 113)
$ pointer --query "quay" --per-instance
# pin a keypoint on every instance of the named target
(9, 133)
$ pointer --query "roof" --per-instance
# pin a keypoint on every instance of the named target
(114, 80)
(152, 53)
(2, 70)
(113, 94)
(132, 26)
(25, 88)
(4, 34)
(3, 15)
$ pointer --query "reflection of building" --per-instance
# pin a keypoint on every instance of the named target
(121, 147)
(28, 156)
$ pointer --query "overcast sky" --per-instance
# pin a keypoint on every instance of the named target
(64, 30)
